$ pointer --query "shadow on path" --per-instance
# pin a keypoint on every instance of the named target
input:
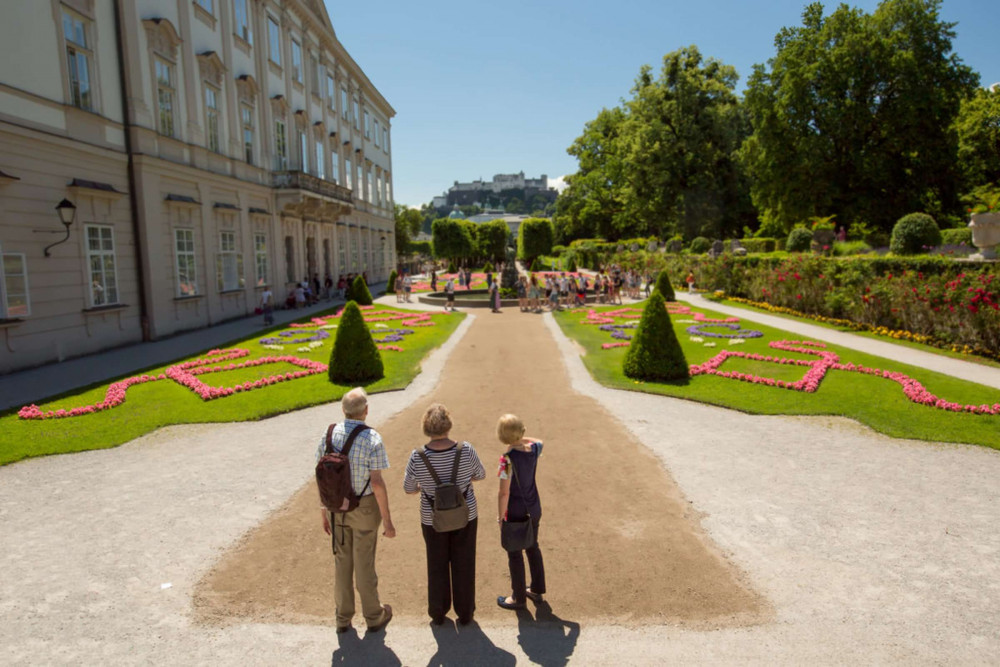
(466, 645)
(547, 639)
(367, 650)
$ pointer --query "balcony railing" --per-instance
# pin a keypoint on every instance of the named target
(302, 181)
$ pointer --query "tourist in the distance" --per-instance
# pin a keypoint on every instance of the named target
(451, 556)
(407, 287)
(449, 290)
(522, 294)
(494, 294)
(267, 306)
(399, 287)
(690, 282)
(517, 500)
(533, 292)
(434, 281)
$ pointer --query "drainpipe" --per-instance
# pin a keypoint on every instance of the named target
(132, 196)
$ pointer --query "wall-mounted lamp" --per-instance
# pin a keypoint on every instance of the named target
(67, 213)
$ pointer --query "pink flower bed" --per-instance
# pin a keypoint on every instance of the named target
(185, 375)
(818, 369)
(372, 315)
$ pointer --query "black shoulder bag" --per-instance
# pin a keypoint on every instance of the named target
(517, 535)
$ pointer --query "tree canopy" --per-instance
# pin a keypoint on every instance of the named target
(664, 161)
(491, 240)
(452, 239)
(978, 128)
(408, 222)
(853, 116)
(534, 238)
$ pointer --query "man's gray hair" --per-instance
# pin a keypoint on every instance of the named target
(354, 403)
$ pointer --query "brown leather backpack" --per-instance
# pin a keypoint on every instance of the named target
(333, 474)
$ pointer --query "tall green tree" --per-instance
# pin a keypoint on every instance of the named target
(452, 239)
(853, 116)
(978, 127)
(408, 223)
(492, 240)
(534, 238)
(665, 160)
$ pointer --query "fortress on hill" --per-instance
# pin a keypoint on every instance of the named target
(496, 193)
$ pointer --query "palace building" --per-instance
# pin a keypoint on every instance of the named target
(199, 151)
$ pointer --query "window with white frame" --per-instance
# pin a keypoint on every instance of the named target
(364, 251)
(370, 186)
(385, 139)
(228, 263)
(79, 59)
(377, 143)
(297, 62)
(289, 259)
(331, 94)
(187, 274)
(242, 23)
(320, 160)
(378, 189)
(343, 103)
(368, 126)
(260, 257)
(348, 174)
(273, 41)
(165, 96)
(101, 262)
(212, 117)
(314, 75)
(354, 252)
(247, 116)
(335, 165)
(360, 182)
(303, 152)
(357, 116)
(280, 146)
(14, 286)
(341, 249)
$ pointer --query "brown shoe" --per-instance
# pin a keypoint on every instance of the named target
(341, 629)
(386, 617)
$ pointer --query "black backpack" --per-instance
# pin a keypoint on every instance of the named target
(333, 474)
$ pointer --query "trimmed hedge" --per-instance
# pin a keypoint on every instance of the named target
(391, 285)
(799, 240)
(664, 287)
(950, 302)
(760, 244)
(359, 292)
(354, 358)
(700, 245)
(913, 234)
(956, 236)
(655, 353)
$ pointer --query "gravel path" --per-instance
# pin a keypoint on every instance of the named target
(868, 549)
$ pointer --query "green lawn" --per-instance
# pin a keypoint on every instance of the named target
(874, 401)
(972, 358)
(164, 402)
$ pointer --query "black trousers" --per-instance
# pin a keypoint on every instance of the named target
(451, 571)
(515, 562)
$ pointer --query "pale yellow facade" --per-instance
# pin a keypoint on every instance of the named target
(251, 151)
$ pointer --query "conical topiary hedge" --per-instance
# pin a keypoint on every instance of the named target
(391, 285)
(360, 293)
(664, 287)
(354, 360)
(655, 353)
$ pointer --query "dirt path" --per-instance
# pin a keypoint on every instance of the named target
(620, 541)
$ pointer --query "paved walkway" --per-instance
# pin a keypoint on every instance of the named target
(35, 384)
(867, 549)
(966, 370)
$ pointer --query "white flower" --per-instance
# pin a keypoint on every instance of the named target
(736, 341)
(381, 326)
(274, 347)
(709, 344)
(329, 326)
(304, 348)
(696, 339)
(684, 321)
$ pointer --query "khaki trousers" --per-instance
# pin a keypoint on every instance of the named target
(354, 539)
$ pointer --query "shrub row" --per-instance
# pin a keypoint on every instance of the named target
(952, 302)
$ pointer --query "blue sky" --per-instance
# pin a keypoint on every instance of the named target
(486, 88)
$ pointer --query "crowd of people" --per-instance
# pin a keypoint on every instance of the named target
(442, 473)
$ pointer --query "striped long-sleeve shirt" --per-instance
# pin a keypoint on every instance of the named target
(418, 478)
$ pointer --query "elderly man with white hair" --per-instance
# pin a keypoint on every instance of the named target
(355, 533)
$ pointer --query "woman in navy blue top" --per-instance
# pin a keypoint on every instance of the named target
(518, 499)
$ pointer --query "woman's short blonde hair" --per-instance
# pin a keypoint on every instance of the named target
(436, 421)
(510, 429)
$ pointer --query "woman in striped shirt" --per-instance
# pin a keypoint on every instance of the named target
(451, 556)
